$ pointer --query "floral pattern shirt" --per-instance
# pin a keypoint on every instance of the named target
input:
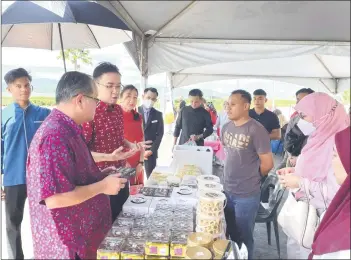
(106, 132)
(58, 162)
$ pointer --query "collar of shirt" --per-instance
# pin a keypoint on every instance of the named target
(146, 110)
(105, 106)
(18, 108)
(66, 120)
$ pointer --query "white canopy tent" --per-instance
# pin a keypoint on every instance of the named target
(301, 42)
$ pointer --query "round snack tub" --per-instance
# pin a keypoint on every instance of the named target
(211, 203)
(209, 186)
(199, 239)
(203, 178)
(219, 247)
(198, 252)
(210, 225)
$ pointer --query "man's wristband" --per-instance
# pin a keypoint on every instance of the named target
(141, 162)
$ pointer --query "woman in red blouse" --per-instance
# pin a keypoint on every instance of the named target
(133, 130)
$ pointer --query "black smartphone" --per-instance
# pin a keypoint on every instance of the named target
(127, 173)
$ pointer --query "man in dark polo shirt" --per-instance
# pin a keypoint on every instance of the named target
(267, 118)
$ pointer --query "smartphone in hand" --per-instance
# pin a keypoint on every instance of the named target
(127, 173)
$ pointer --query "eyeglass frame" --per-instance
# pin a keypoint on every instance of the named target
(111, 87)
(93, 98)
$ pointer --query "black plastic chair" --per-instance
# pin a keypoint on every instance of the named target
(271, 215)
(268, 184)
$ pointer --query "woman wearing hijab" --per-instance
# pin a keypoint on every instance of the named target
(322, 117)
(332, 238)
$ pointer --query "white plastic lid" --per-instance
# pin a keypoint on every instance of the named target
(203, 178)
(210, 185)
(212, 195)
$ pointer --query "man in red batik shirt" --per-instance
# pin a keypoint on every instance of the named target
(69, 208)
(105, 134)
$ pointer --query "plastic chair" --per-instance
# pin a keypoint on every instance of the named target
(268, 183)
(270, 214)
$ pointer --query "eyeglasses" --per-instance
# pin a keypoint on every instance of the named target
(97, 101)
(117, 87)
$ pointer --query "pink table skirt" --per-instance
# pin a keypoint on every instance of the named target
(217, 149)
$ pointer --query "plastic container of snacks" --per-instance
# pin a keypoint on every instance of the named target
(219, 247)
(141, 223)
(157, 242)
(210, 185)
(110, 248)
(186, 225)
(205, 178)
(158, 222)
(199, 239)
(127, 214)
(138, 234)
(183, 207)
(178, 243)
(183, 215)
(198, 252)
(162, 214)
(208, 224)
(121, 222)
(133, 249)
(152, 257)
(162, 192)
(190, 183)
(211, 203)
(164, 206)
(173, 181)
(119, 231)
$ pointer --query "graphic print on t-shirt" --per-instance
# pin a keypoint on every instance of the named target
(236, 141)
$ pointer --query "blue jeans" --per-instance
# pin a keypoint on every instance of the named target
(246, 210)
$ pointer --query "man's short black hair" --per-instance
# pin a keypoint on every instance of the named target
(260, 92)
(244, 95)
(304, 90)
(196, 93)
(105, 67)
(14, 74)
(153, 90)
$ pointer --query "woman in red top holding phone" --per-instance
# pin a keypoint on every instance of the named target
(133, 130)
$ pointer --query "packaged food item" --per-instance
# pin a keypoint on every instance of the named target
(186, 225)
(208, 224)
(164, 206)
(173, 181)
(152, 257)
(198, 252)
(119, 231)
(211, 203)
(178, 243)
(183, 207)
(188, 170)
(161, 222)
(210, 185)
(219, 247)
(157, 242)
(190, 183)
(127, 214)
(148, 191)
(137, 205)
(199, 239)
(133, 249)
(205, 178)
(167, 214)
(141, 223)
(121, 222)
(110, 248)
(159, 200)
(183, 215)
(163, 192)
(138, 234)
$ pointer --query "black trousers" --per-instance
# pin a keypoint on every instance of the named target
(150, 165)
(14, 208)
(118, 200)
(265, 194)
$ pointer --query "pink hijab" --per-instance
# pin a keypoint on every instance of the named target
(329, 117)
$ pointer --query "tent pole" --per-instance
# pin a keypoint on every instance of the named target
(62, 49)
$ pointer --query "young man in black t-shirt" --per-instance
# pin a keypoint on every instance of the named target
(267, 118)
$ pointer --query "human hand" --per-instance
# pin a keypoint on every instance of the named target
(144, 145)
(287, 170)
(112, 184)
(147, 153)
(290, 181)
(118, 154)
(2, 194)
(138, 170)
(109, 170)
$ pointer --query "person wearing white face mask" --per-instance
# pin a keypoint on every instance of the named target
(313, 179)
(153, 127)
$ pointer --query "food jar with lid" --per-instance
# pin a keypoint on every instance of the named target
(199, 239)
(138, 234)
(208, 224)
(211, 203)
(119, 231)
(198, 252)
(133, 249)
(203, 178)
(110, 248)
(157, 242)
(210, 185)
(178, 243)
(219, 247)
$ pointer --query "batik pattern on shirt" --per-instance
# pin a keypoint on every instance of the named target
(58, 162)
(106, 132)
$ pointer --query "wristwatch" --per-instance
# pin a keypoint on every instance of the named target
(141, 162)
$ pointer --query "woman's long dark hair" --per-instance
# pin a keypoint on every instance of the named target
(136, 115)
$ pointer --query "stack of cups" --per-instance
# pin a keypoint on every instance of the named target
(210, 211)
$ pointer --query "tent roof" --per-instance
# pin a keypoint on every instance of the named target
(307, 42)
